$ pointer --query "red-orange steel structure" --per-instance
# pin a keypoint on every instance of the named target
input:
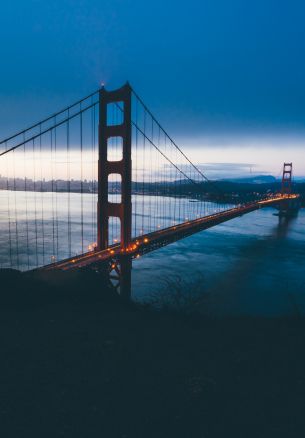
(120, 270)
(287, 179)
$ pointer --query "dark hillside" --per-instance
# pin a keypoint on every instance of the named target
(77, 363)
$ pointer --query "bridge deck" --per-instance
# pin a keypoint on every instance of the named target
(157, 239)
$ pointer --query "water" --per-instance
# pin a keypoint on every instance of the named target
(38, 228)
(249, 265)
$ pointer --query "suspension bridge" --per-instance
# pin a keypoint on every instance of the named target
(101, 183)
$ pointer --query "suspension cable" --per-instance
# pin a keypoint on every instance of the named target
(170, 138)
(62, 122)
(36, 125)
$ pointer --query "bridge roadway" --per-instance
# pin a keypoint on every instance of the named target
(160, 238)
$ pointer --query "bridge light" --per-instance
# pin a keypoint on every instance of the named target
(145, 240)
(112, 252)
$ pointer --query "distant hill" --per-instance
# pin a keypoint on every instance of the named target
(255, 179)
(258, 179)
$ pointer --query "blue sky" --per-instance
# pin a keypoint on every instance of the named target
(220, 75)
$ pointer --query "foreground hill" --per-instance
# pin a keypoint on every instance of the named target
(75, 363)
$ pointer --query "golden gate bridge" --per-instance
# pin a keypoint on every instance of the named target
(100, 183)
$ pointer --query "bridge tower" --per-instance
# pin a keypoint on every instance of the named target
(287, 179)
(120, 269)
(289, 207)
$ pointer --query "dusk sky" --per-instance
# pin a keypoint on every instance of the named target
(225, 78)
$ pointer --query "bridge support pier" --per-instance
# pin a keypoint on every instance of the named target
(120, 270)
(120, 276)
(126, 266)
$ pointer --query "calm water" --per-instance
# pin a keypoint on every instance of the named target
(251, 265)
(37, 228)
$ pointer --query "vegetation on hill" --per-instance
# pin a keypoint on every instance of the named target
(76, 362)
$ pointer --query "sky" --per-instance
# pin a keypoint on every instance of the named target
(225, 78)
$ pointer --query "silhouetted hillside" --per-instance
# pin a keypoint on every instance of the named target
(77, 363)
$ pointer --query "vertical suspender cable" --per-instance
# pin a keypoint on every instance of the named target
(143, 175)
(68, 183)
(56, 188)
(42, 198)
(92, 170)
(8, 188)
(16, 214)
(35, 204)
(81, 180)
(136, 175)
(52, 195)
(26, 204)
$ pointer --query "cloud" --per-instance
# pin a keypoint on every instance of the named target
(222, 170)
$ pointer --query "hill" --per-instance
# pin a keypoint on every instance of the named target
(77, 363)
